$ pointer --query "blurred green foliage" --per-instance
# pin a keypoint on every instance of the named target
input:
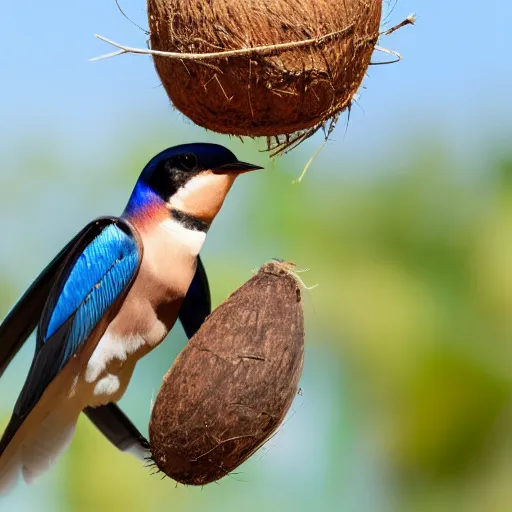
(414, 309)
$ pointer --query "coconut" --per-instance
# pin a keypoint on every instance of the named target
(232, 385)
(264, 93)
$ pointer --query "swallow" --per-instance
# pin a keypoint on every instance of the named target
(108, 298)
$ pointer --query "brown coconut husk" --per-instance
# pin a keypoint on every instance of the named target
(231, 387)
(294, 92)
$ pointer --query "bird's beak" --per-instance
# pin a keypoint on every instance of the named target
(236, 167)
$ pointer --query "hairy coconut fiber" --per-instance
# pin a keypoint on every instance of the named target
(230, 388)
(263, 95)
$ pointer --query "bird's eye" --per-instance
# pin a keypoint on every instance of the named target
(187, 162)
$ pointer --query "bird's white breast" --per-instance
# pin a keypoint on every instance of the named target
(110, 348)
(193, 240)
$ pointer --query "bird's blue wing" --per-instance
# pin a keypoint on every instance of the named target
(91, 284)
(109, 419)
(95, 276)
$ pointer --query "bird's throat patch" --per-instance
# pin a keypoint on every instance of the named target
(189, 221)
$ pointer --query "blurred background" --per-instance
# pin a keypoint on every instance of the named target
(405, 220)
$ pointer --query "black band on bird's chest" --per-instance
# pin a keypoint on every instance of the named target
(188, 221)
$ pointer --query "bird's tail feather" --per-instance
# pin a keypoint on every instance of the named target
(42, 452)
(9, 475)
(37, 452)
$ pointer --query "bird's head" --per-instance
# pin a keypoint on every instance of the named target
(189, 181)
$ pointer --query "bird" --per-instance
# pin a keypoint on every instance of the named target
(108, 298)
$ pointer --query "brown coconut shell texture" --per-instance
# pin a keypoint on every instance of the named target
(230, 388)
(261, 95)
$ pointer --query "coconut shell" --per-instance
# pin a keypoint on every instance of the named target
(257, 95)
(232, 385)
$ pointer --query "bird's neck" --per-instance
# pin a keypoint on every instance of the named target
(143, 205)
(148, 212)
